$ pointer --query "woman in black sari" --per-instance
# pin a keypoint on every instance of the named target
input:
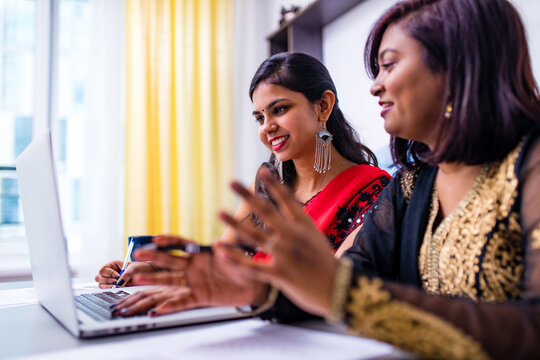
(447, 264)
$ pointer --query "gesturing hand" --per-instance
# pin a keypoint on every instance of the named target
(194, 281)
(302, 264)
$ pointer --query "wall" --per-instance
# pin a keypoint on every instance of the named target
(256, 19)
(343, 49)
(343, 46)
(530, 13)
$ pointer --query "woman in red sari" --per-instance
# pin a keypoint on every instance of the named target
(314, 150)
(336, 189)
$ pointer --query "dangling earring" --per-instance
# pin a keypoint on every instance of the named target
(323, 151)
(448, 111)
(279, 166)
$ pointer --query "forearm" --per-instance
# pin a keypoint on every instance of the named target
(439, 326)
(507, 330)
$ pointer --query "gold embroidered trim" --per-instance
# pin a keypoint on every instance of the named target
(342, 283)
(536, 238)
(435, 240)
(375, 315)
(428, 264)
(407, 183)
(477, 250)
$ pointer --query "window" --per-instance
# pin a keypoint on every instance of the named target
(17, 54)
(84, 111)
(17, 69)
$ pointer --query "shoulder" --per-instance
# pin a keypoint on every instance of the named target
(374, 179)
(368, 169)
(356, 178)
(527, 154)
(364, 174)
(407, 181)
(517, 164)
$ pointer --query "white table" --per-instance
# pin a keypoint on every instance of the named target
(29, 330)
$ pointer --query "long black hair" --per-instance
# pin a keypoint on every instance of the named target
(481, 48)
(305, 74)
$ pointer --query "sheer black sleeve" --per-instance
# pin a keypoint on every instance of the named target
(438, 326)
(287, 312)
(376, 246)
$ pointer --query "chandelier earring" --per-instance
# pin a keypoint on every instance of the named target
(448, 110)
(278, 164)
(323, 153)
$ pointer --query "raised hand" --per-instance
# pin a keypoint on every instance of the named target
(302, 264)
(194, 281)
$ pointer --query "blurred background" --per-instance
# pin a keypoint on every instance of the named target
(147, 102)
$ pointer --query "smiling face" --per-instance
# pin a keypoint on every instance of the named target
(410, 94)
(288, 121)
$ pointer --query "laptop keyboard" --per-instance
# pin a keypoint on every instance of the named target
(97, 305)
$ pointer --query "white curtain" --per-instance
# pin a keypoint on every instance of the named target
(102, 180)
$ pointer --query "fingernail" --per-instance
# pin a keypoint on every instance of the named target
(120, 283)
(114, 282)
(124, 311)
(117, 277)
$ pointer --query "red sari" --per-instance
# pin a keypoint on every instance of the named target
(339, 208)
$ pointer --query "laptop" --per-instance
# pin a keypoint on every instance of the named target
(85, 315)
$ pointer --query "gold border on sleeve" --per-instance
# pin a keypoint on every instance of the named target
(342, 283)
(375, 315)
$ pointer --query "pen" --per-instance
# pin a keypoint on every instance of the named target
(126, 260)
(193, 248)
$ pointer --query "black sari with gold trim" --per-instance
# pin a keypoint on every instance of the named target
(469, 288)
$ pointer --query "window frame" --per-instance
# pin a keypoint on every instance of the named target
(15, 259)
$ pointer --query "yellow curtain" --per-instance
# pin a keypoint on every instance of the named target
(179, 116)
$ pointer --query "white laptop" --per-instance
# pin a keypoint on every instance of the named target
(86, 315)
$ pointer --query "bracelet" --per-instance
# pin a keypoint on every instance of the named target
(342, 282)
(270, 301)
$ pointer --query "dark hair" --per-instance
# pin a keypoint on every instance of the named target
(305, 74)
(481, 48)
